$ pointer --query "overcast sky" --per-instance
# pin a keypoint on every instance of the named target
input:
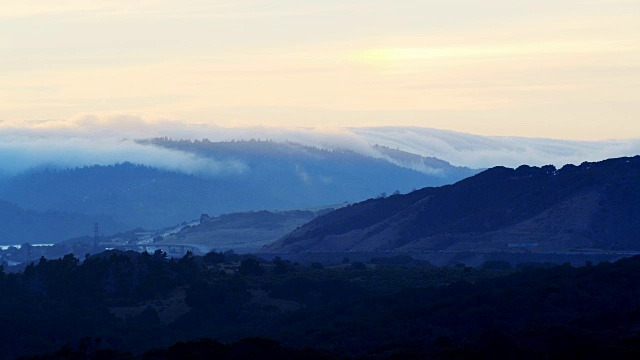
(561, 69)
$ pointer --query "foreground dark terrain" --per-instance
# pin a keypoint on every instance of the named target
(126, 305)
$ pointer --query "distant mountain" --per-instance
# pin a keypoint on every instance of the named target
(427, 165)
(254, 153)
(242, 176)
(21, 226)
(594, 205)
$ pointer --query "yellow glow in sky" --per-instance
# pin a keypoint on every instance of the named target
(382, 56)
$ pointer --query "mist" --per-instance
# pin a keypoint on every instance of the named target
(105, 140)
(19, 154)
(109, 139)
(477, 151)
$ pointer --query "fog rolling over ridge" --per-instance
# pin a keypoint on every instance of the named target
(141, 172)
(20, 154)
(261, 175)
(109, 139)
(487, 151)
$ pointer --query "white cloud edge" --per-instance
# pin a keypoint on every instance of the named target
(89, 139)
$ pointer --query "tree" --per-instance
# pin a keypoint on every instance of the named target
(496, 265)
(213, 257)
(282, 266)
(251, 266)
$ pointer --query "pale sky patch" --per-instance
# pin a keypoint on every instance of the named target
(561, 69)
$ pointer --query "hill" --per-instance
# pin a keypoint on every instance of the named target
(21, 226)
(241, 176)
(241, 232)
(594, 205)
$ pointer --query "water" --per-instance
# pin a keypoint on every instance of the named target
(5, 247)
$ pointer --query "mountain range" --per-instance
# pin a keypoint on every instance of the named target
(533, 209)
(248, 176)
(21, 226)
(186, 178)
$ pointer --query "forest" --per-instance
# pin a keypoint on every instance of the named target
(148, 306)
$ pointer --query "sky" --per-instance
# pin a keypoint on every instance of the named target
(563, 69)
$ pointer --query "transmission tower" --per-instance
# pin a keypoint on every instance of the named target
(96, 238)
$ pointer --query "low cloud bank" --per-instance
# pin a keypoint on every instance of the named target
(486, 151)
(104, 140)
(90, 140)
(19, 154)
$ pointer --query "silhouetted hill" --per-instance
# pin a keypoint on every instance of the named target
(594, 205)
(21, 226)
(243, 176)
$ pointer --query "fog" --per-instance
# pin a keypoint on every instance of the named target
(486, 151)
(89, 139)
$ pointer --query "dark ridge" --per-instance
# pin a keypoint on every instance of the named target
(593, 205)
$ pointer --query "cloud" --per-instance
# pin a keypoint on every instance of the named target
(303, 175)
(19, 154)
(90, 139)
(119, 126)
(486, 151)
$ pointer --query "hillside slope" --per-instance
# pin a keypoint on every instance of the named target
(594, 205)
(242, 232)
(21, 226)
